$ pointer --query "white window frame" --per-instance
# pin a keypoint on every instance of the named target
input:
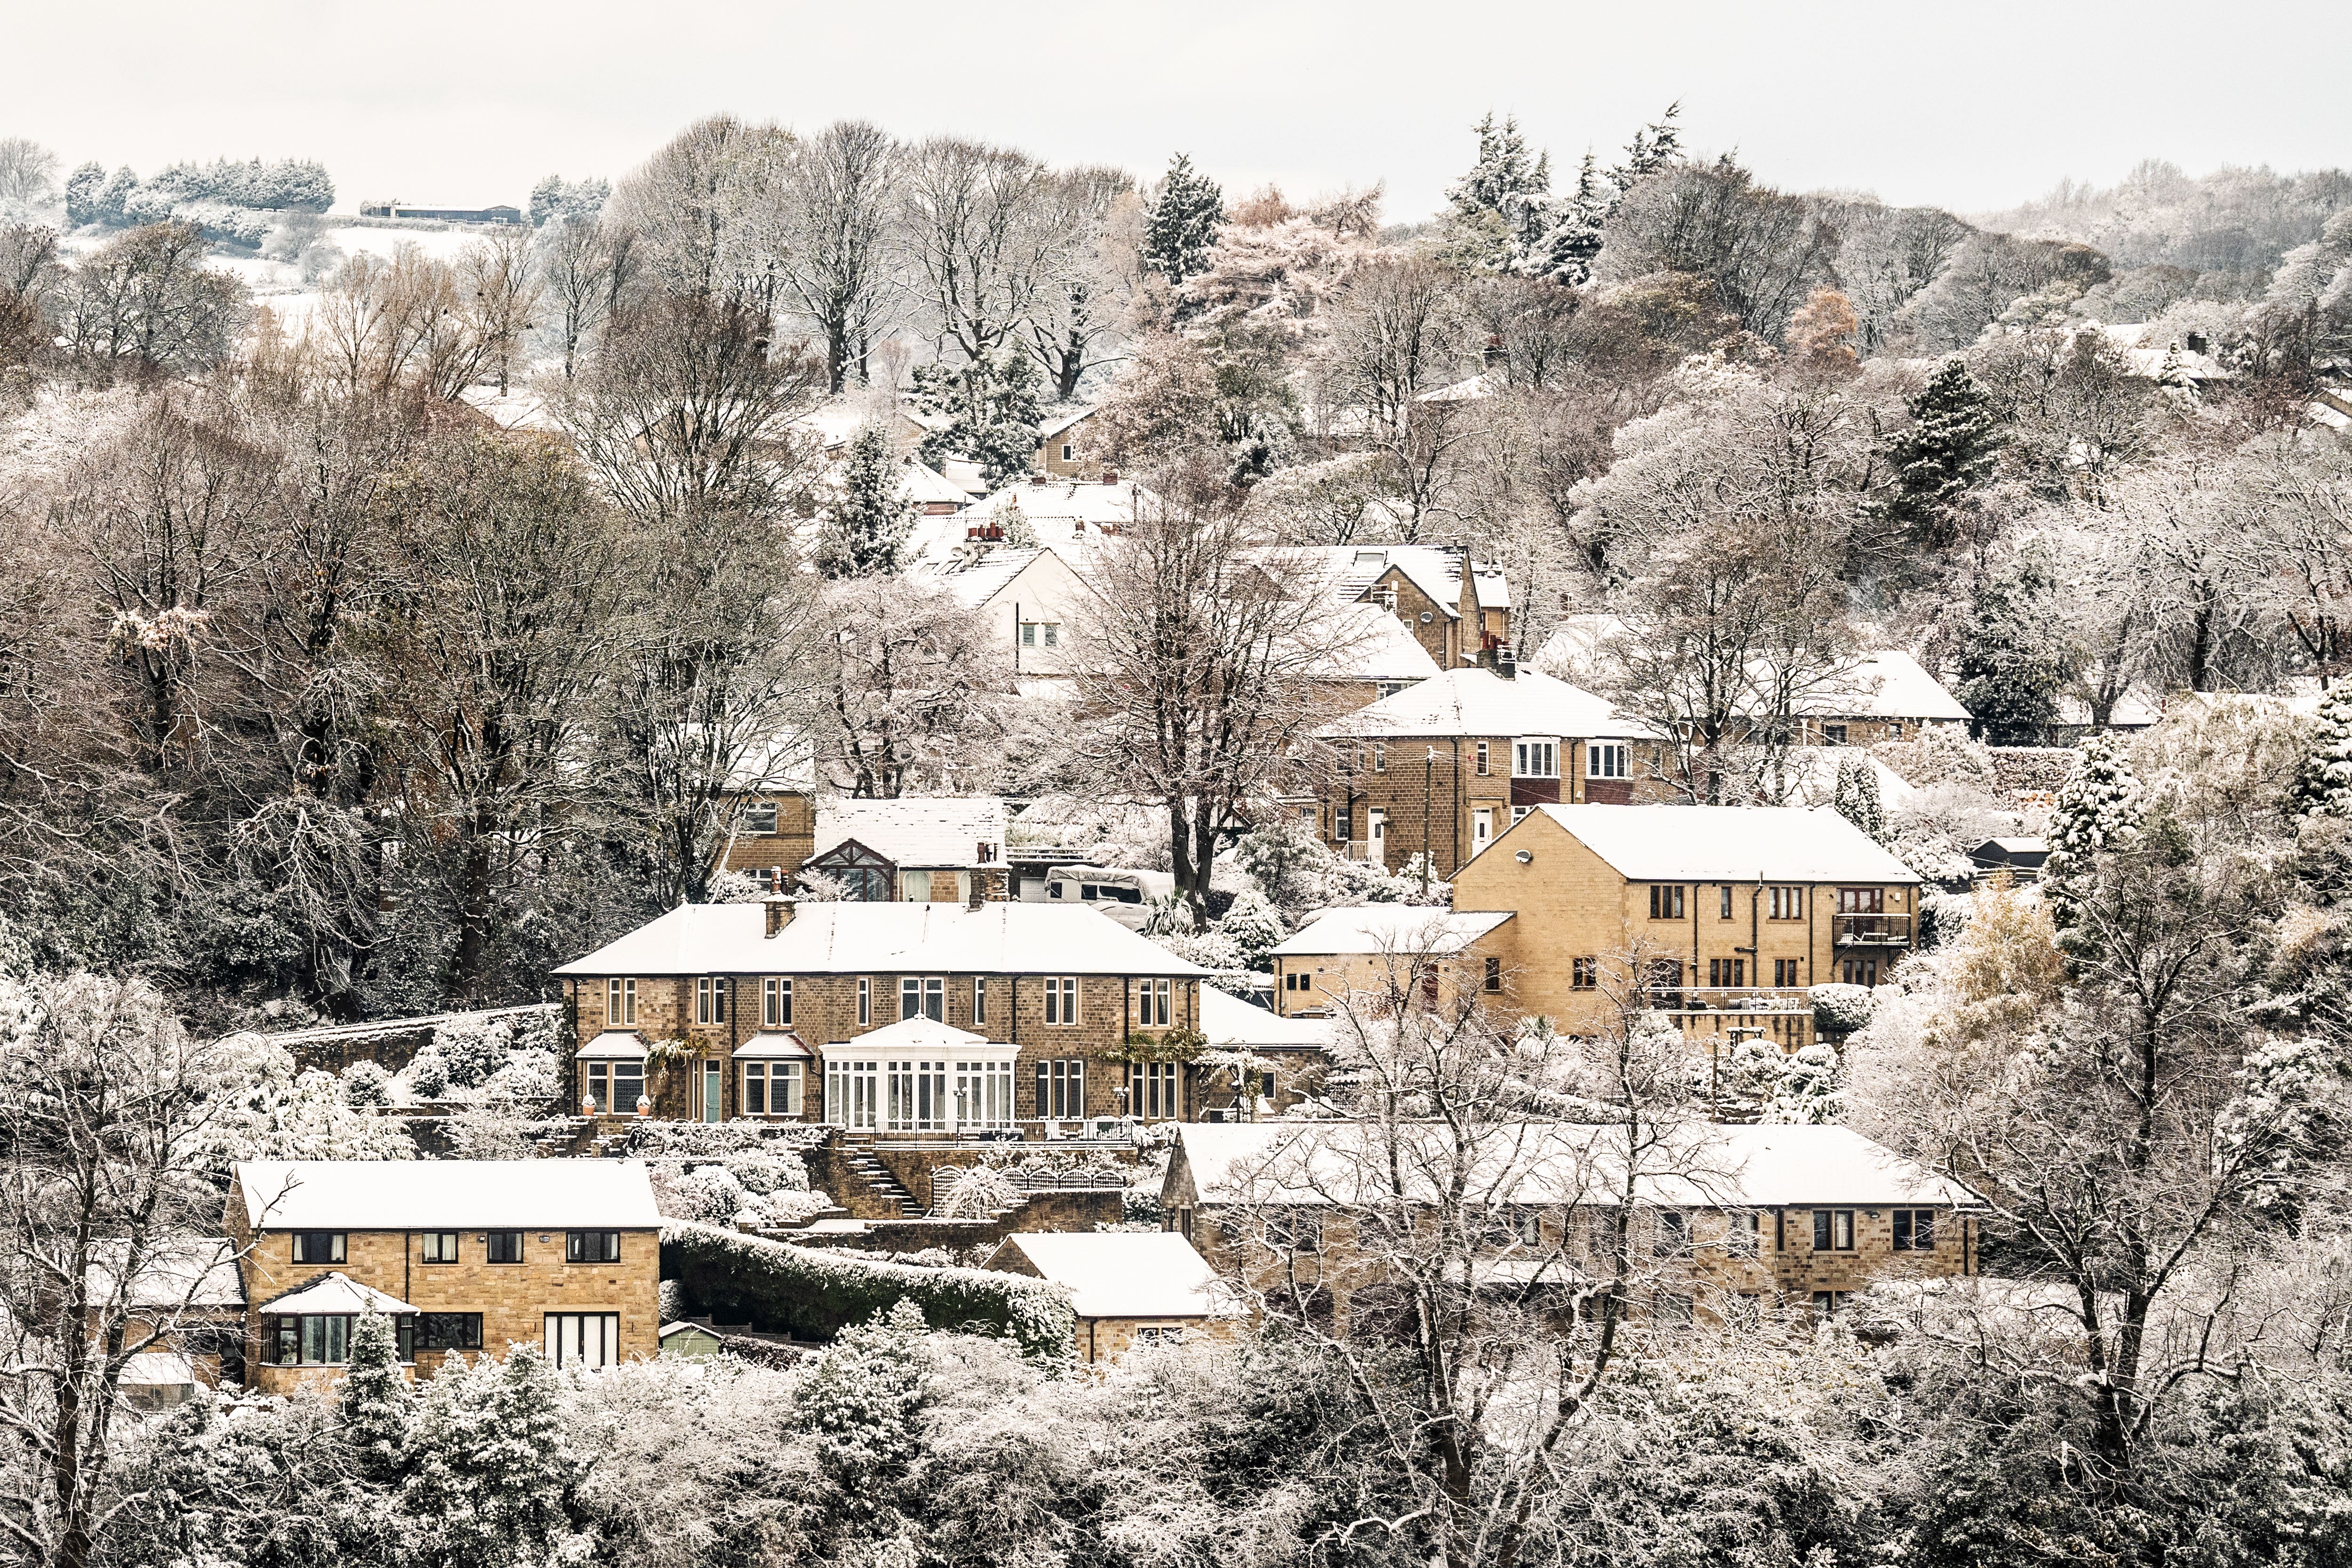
(1604, 762)
(1151, 1005)
(864, 1000)
(853, 1094)
(584, 1339)
(979, 1000)
(620, 1004)
(1535, 757)
(710, 999)
(925, 992)
(760, 819)
(776, 1003)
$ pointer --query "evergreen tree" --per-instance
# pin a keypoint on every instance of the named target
(83, 187)
(1655, 147)
(1571, 239)
(490, 1468)
(1502, 207)
(2098, 808)
(2323, 786)
(1857, 799)
(991, 405)
(865, 1400)
(1948, 451)
(377, 1400)
(2015, 653)
(871, 515)
(1181, 228)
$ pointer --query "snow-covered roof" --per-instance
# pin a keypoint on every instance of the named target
(1125, 1274)
(854, 938)
(988, 575)
(1388, 928)
(614, 1046)
(331, 1293)
(462, 1194)
(1492, 588)
(917, 831)
(1703, 1165)
(928, 485)
(1375, 645)
(158, 1369)
(189, 1270)
(774, 1046)
(1887, 684)
(1227, 1021)
(1349, 570)
(1726, 843)
(1811, 773)
(1063, 421)
(1470, 390)
(921, 1034)
(1479, 702)
(1054, 505)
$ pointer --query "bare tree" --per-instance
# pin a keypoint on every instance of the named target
(584, 264)
(703, 213)
(1206, 665)
(108, 1215)
(907, 702)
(498, 289)
(145, 304)
(28, 172)
(977, 225)
(1398, 336)
(1075, 325)
(843, 191)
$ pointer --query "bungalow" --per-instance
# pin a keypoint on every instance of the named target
(1126, 1288)
(1346, 950)
(887, 1017)
(462, 1254)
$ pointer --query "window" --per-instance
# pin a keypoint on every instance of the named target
(1584, 973)
(1860, 971)
(1343, 824)
(760, 818)
(979, 1002)
(709, 1000)
(1299, 1230)
(924, 996)
(1485, 765)
(1894, 729)
(318, 1247)
(1062, 1001)
(1053, 633)
(772, 1088)
(1062, 1088)
(1674, 1233)
(1830, 1303)
(776, 1003)
(1784, 972)
(1151, 1003)
(449, 1331)
(1028, 634)
(1726, 892)
(853, 1094)
(1725, 974)
(1494, 974)
(440, 1247)
(504, 1246)
(1672, 1307)
(1915, 1230)
(1535, 759)
(1832, 1230)
(1290, 981)
(620, 1003)
(865, 1001)
(1834, 734)
(325, 1340)
(617, 1087)
(1069, 451)
(1604, 763)
(584, 1339)
(1380, 756)
(592, 1247)
(1741, 1235)
(1665, 903)
(1786, 903)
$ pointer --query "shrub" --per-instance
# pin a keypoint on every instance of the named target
(777, 1287)
(366, 1086)
(976, 1194)
(1840, 1008)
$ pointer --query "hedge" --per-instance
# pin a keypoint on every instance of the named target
(776, 1287)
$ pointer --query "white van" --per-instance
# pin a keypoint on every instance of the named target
(1125, 896)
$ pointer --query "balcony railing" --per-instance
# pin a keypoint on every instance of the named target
(1361, 849)
(1871, 930)
(1729, 998)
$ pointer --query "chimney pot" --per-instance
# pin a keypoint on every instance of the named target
(779, 913)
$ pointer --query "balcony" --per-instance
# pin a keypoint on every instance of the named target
(1360, 849)
(1729, 999)
(1871, 930)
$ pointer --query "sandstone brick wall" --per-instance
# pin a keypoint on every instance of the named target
(824, 1011)
(511, 1297)
(787, 850)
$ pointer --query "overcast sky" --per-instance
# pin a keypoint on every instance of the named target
(1969, 106)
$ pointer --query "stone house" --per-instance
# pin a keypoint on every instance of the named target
(463, 1255)
(1127, 1288)
(1062, 447)
(1297, 1049)
(1031, 600)
(1883, 696)
(1799, 1215)
(1732, 914)
(903, 1018)
(1447, 765)
(1348, 950)
(775, 833)
(1458, 609)
(912, 849)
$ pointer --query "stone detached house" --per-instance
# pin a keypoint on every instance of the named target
(775, 832)
(1446, 766)
(1127, 1288)
(463, 1255)
(1459, 610)
(1062, 446)
(1348, 950)
(1730, 912)
(1883, 696)
(1797, 1215)
(885, 1017)
(912, 849)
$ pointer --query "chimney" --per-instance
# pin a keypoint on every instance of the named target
(779, 913)
(979, 891)
(1506, 662)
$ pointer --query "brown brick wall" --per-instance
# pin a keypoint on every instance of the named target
(788, 848)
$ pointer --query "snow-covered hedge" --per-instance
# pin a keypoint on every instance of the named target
(780, 1289)
(1840, 1007)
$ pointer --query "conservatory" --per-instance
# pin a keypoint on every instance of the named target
(919, 1075)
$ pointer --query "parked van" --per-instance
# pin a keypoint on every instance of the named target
(1125, 896)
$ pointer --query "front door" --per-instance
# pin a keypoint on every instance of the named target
(1376, 836)
(1482, 827)
(714, 1091)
